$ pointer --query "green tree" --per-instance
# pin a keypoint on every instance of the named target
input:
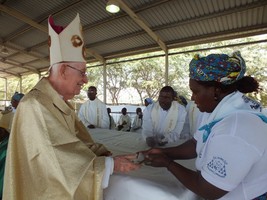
(178, 74)
(116, 81)
(146, 77)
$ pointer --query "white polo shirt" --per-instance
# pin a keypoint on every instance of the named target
(234, 157)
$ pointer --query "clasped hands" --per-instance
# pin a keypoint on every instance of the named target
(152, 157)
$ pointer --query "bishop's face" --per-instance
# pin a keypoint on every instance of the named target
(75, 78)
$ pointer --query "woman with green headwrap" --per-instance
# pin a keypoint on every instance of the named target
(230, 144)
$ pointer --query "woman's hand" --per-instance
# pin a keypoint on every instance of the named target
(152, 151)
(157, 159)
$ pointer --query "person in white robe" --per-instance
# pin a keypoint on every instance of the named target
(164, 120)
(148, 101)
(124, 122)
(112, 124)
(195, 117)
(50, 153)
(138, 121)
(93, 112)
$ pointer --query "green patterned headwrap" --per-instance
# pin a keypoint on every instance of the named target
(218, 67)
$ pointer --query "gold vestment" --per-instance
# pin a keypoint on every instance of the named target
(50, 153)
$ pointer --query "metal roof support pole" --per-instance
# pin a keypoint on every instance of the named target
(166, 68)
(5, 91)
(20, 84)
(105, 82)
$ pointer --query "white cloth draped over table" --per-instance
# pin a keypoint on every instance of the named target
(147, 183)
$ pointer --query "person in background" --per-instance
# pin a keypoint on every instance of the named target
(112, 124)
(180, 99)
(9, 112)
(7, 117)
(183, 100)
(230, 145)
(5, 127)
(15, 100)
(148, 101)
(138, 120)
(195, 117)
(93, 113)
(50, 153)
(4, 135)
(164, 120)
(124, 123)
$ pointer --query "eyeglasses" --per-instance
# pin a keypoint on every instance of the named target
(83, 74)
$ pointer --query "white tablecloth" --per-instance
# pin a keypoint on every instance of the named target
(147, 183)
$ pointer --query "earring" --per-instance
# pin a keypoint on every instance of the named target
(215, 98)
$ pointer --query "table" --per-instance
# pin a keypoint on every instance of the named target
(147, 183)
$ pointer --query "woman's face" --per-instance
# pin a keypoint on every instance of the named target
(203, 96)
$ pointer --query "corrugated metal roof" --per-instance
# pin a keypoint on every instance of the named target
(168, 24)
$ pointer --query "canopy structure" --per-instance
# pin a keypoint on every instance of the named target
(140, 26)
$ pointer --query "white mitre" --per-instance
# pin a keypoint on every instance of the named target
(66, 44)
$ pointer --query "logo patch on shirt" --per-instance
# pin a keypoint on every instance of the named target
(252, 103)
(217, 166)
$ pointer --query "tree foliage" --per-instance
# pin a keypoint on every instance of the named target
(116, 81)
(145, 77)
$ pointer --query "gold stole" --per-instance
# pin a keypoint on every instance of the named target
(192, 112)
(170, 121)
